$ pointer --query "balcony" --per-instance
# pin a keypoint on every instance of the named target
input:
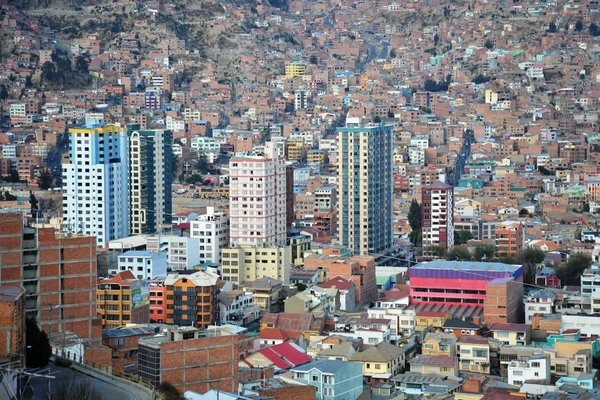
(29, 244)
(30, 259)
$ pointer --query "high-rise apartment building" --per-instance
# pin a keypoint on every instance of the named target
(57, 271)
(123, 300)
(192, 299)
(95, 182)
(509, 238)
(212, 231)
(150, 179)
(437, 212)
(365, 186)
(257, 199)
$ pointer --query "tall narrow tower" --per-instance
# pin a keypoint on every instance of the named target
(365, 186)
(95, 187)
(437, 207)
(150, 179)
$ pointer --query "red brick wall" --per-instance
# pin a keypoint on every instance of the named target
(291, 392)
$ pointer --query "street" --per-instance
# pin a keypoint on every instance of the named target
(108, 390)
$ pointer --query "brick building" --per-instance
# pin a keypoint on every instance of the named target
(358, 269)
(57, 271)
(190, 359)
(124, 343)
(503, 301)
(12, 324)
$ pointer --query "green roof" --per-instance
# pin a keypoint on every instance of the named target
(382, 279)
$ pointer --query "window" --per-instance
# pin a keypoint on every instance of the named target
(377, 366)
(315, 378)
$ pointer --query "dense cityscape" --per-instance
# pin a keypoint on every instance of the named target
(293, 199)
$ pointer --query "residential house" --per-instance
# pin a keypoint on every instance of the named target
(435, 319)
(534, 370)
(281, 356)
(346, 289)
(475, 354)
(333, 379)
(439, 344)
(512, 334)
(294, 325)
(381, 363)
(461, 328)
(266, 293)
(437, 365)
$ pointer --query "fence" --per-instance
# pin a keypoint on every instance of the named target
(77, 358)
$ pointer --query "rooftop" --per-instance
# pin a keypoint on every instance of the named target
(467, 266)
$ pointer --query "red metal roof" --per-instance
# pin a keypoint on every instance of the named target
(273, 333)
(338, 283)
(285, 355)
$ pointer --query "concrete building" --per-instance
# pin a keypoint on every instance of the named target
(193, 299)
(238, 307)
(537, 368)
(190, 359)
(182, 252)
(294, 69)
(495, 287)
(437, 203)
(381, 363)
(512, 334)
(266, 292)
(142, 263)
(150, 180)
(212, 230)
(257, 199)
(334, 380)
(57, 271)
(95, 182)
(123, 300)
(539, 302)
(249, 263)
(365, 186)
(590, 281)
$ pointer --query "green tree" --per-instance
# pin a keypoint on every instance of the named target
(434, 251)
(489, 44)
(446, 12)
(414, 220)
(82, 65)
(33, 202)
(531, 258)
(436, 39)
(479, 79)
(484, 252)
(13, 177)
(462, 237)
(552, 27)
(393, 53)
(570, 272)
(301, 287)
(377, 119)
(192, 179)
(544, 170)
(3, 92)
(578, 25)
(458, 254)
(45, 180)
(168, 391)
(38, 350)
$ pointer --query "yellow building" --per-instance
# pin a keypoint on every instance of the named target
(440, 344)
(381, 362)
(295, 69)
(249, 263)
(294, 149)
(122, 300)
(299, 244)
(512, 334)
(431, 318)
(316, 156)
(190, 114)
(474, 353)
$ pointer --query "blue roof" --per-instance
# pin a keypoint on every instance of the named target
(325, 366)
(467, 266)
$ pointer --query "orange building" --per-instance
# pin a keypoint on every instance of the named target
(192, 299)
(509, 239)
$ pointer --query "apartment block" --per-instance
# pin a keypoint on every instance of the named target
(182, 252)
(190, 359)
(365, 186)
(333, 379)
(509, 239)
(150, 179)
(57, 271)
(437, 203)
(123, 300)
(249, 263)
(158, 304)
(95, 182)
(192, 299)
(503, 301)
(475, 354)
(212, 231)
(257, 199)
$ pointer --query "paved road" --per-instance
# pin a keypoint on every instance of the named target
(108, 390)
